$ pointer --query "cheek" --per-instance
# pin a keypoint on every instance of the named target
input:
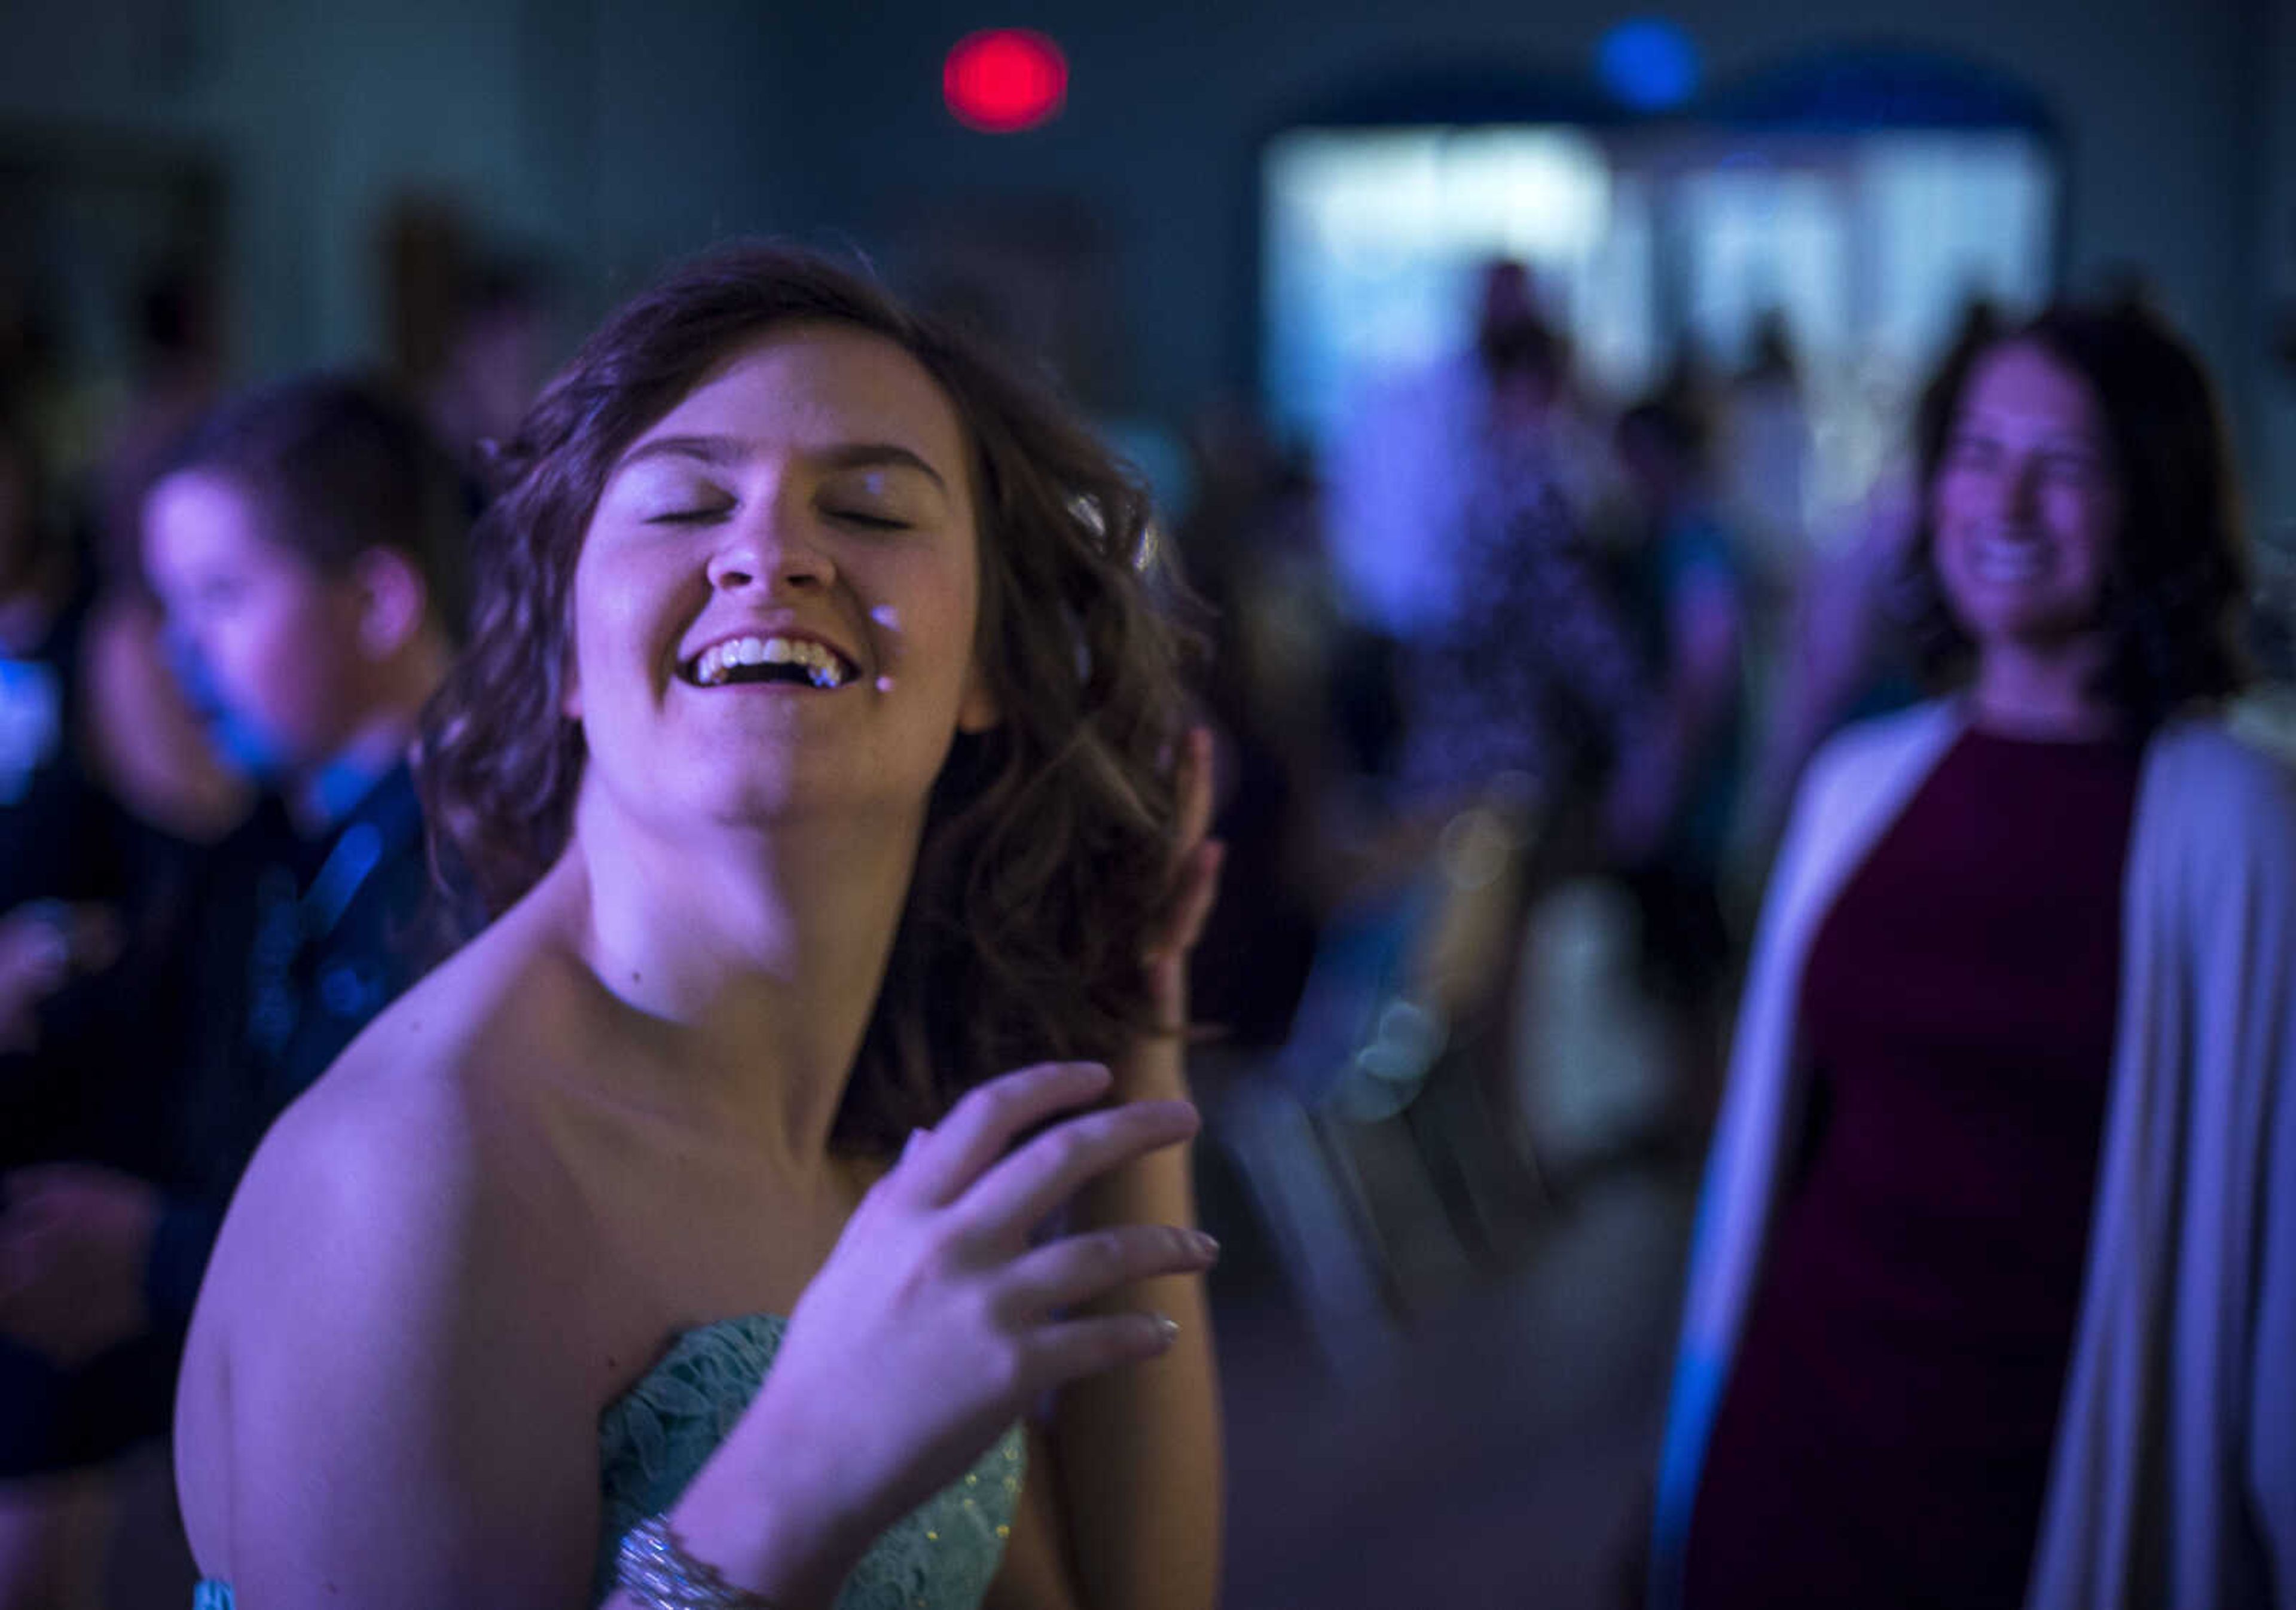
(1945, 521)
(959, 627)
(625, 622)
(580, 634)
(1950, 534)
(1951, 579)
(1950, 540)
(923, 609)
(1958, 496)
(256, 646)
(2084, 526)
(2094, 524)
(282, 666)
(601, 632)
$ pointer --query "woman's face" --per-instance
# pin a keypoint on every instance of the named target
(776, 601)
(2024, 508)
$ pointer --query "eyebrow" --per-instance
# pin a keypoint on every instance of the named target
(2087, 439)
(720, 451)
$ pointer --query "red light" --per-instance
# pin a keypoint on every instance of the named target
(1004, 79)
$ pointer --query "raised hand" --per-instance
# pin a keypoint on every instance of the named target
(935, 1324)
(1153, 1066)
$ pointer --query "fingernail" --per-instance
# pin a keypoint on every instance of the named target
(1204, 1245)
(1168, 1328)
(910, 1145)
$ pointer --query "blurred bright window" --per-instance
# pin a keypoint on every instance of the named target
(1643, 239)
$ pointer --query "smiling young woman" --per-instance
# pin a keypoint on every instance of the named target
(1994, 1299)
(686, 1231)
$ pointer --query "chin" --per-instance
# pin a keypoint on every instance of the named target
(2032, 631)
(789, 798)
(2033, 621)
(757, 798)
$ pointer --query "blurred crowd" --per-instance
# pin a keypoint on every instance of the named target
(1599, 631)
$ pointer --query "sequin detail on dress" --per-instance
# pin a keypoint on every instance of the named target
(653, 1440)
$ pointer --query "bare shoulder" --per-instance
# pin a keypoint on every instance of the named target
(425, 1127)
(399, 1278)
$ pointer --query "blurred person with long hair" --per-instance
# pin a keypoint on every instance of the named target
(1993, 1298)
(822, 750)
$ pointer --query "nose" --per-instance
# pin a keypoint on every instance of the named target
(2020, 486)
(773, 550)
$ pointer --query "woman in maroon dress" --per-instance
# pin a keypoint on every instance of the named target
(1912, 1369)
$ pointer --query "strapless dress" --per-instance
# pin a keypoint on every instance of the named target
(655, 1437)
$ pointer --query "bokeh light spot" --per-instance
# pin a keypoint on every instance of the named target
(1649, 63)
(1003, 80)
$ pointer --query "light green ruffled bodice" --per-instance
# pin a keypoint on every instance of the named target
(655, 1437)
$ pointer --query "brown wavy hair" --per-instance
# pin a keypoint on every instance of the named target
(335, 465)
(2176, 593)
(1049, 839)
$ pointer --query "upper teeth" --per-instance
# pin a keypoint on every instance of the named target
(821, 664)
(2005, 560)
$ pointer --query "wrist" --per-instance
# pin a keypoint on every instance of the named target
(1158, 1188)
(1154, 1067)
(654, 1570)
(765, 1529)
(1160, 1085)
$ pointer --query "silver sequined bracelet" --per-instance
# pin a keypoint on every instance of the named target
(654, 1569)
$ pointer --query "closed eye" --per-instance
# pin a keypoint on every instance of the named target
(1968, 449)
(867, 520)
(687, 516)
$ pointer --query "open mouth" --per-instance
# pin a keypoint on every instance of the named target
(2007, 561)
(799, 661)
